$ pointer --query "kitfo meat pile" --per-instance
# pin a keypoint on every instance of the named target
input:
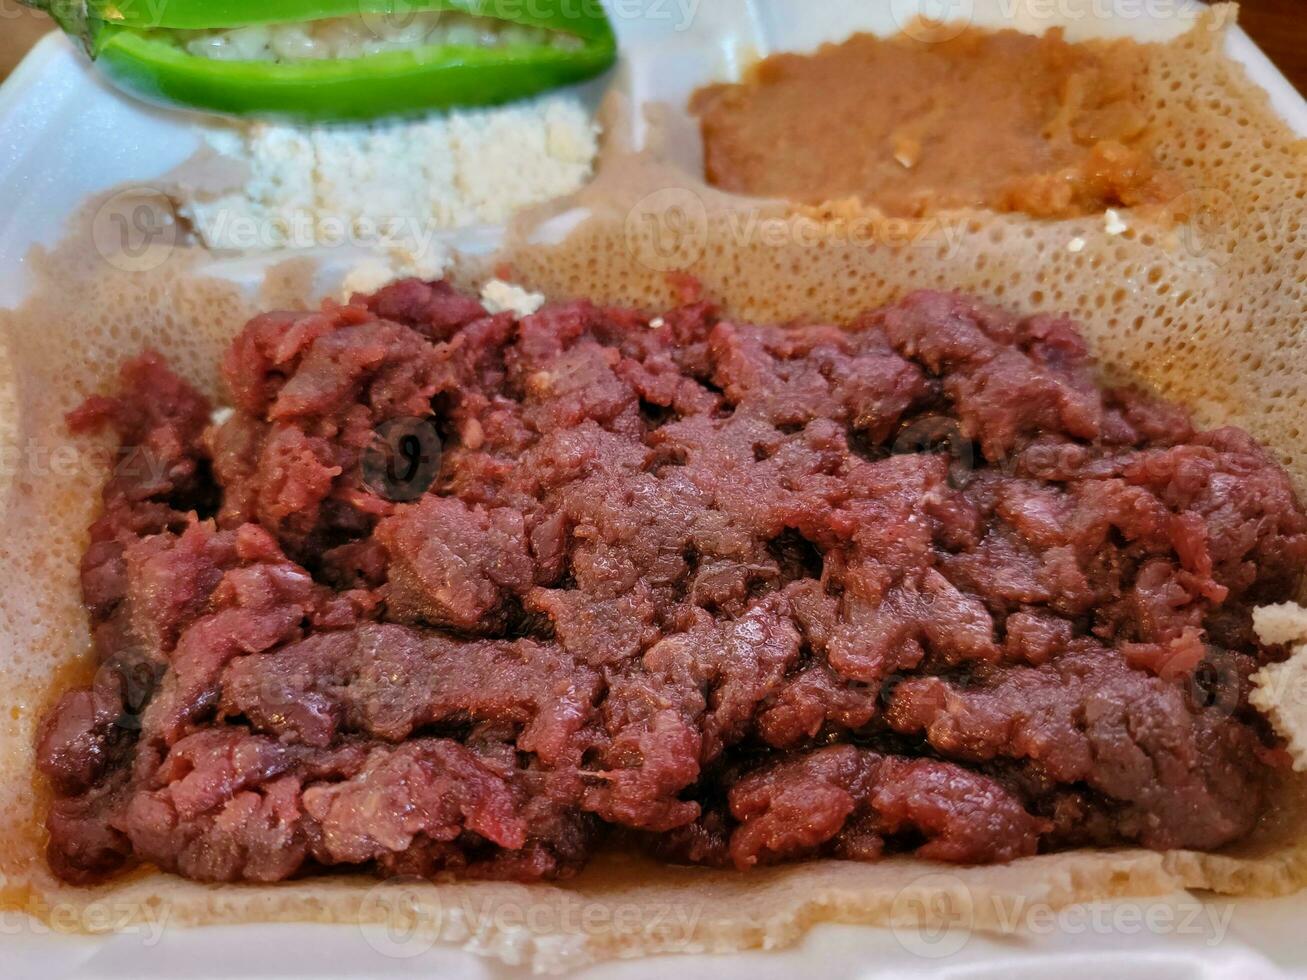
(735, 594)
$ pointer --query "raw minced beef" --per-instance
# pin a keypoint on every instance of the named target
(737, 594)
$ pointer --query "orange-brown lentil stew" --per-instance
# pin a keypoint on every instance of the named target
(1004, 121)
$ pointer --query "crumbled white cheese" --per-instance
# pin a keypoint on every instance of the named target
(372, 273)
(1076, 245)
(430, 264)
(1282, 624)
(1280, 690)
(220, 416)
(392, 187)
(498, 296)
(367, 277)
(1113, 224)
(657, 323)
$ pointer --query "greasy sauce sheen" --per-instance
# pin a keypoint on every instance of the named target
(1005, 121)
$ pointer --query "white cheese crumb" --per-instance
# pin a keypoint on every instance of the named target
(1076, 245)
(390, 187)
(498, 296)
(373, 273)
(366, 277)
(221, 415)
(1113, 224)
(1280, 690)
(429, 263)
(657, 323)
(1285, 623)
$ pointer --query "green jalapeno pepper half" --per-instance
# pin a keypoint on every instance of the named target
(135, 45)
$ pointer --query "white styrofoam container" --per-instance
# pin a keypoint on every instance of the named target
(65, 135)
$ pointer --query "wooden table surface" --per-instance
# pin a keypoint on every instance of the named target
(1278, 26)
(20, 28)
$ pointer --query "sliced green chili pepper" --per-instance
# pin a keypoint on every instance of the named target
(140, 46)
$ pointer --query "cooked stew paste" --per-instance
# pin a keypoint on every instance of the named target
(1004, 121)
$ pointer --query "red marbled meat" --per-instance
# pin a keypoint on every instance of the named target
(745, 594)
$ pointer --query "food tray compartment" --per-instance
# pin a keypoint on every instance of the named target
(65, 136)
